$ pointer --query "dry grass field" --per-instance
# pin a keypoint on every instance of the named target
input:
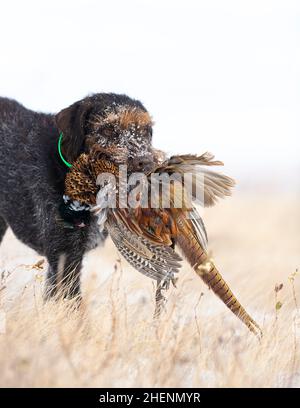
(112, 340)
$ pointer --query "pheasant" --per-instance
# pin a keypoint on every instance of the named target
(147, 236)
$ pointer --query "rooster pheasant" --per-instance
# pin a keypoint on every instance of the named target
(147, 236)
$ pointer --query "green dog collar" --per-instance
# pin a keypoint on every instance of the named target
(60, 153)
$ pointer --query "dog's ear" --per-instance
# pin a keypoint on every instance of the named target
(72, 121)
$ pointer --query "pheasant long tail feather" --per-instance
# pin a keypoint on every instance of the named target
(207, 271)
(212, 277)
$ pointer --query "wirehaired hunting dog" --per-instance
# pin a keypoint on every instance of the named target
(32, 175)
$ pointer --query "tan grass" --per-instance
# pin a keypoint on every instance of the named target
(112, 340)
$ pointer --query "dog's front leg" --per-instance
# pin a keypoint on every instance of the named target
(63, 276)
(65, 261)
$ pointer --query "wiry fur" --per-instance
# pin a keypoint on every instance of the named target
(32, 175)
(124, 117)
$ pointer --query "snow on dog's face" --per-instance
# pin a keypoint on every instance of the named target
(124, 127)
(110, 121)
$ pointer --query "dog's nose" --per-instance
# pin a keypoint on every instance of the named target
(144, 163)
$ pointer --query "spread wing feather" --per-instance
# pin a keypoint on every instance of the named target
(207, 185)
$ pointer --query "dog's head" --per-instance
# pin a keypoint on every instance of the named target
(110, 121)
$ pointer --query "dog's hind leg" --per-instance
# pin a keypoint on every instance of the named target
(3, 228)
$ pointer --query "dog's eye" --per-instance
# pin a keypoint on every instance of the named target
(107, 132)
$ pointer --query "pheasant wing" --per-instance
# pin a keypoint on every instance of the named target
(206, 186)
(155, 261)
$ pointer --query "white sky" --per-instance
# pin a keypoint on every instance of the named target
(222, 76)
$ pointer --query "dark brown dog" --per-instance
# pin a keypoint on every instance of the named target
(32, 175)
